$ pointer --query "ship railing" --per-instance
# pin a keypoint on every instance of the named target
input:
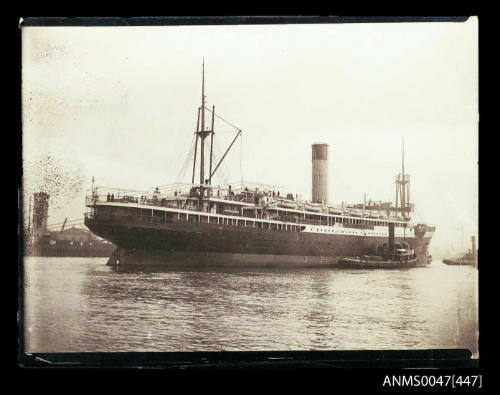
(310, 221)
(124, 196)
(200, 217)
(185, 189)
(176, 189)
(131, 218)
(170, 191)
(101, 193)
(235, 189)
(252, 186)
(103, 190)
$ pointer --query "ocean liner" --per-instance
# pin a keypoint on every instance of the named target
(200, 224)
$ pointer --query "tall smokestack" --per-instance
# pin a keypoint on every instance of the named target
(320, 173)
(40, 214)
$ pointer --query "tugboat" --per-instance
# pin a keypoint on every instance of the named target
(468, 259)
(400, 256)
(389, 256)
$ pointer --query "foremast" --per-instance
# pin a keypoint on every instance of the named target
(201, 134)
(403, 189)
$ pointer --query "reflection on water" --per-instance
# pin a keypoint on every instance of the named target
(79, 304)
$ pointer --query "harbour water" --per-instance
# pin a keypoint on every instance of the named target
(82, 305)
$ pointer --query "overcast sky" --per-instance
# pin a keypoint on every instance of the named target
(119, 103)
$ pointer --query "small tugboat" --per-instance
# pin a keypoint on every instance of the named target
(468, 259)
(400, 256)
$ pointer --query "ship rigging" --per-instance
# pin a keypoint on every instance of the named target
(201, 133)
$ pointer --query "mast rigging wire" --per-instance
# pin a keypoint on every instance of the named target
(223, 168)
(241, 157)
(187, 161)
(223, 120)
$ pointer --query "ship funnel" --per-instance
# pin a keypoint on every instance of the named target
(320, 173)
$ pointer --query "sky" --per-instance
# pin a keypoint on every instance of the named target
(120, 103)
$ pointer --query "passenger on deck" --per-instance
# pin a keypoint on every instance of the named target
(112, 197)
(156, 194)
(108, 197)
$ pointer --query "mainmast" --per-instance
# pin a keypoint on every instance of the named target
(403, 194)
(201, 132)
(402, 185)
(403, 156)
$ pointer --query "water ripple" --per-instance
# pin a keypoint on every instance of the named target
(81, 305)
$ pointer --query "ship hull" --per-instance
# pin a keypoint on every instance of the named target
(206, 244)
(356, 263)
(64, 248)
(459, 262)
(72, 251)
(155, 257)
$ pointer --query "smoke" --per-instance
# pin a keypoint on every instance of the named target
(61, 179)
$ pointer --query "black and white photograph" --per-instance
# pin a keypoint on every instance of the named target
(250, 187)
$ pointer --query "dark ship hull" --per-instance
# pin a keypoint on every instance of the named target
(183, 243)
(460, 262)
(361, 263)
(68, 249)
